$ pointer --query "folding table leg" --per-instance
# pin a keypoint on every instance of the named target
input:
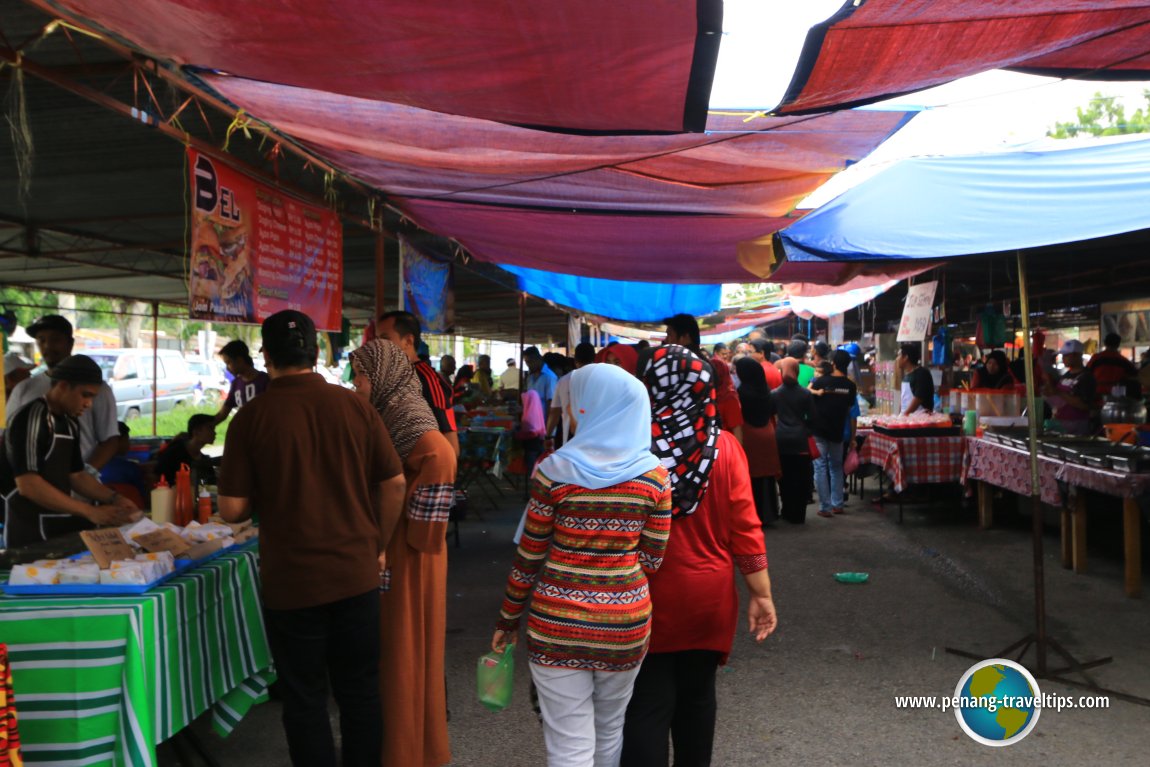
(1132, 542)
(1078, 534)
(985, 505)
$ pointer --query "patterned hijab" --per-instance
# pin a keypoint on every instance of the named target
(395, 393)
(684, 422)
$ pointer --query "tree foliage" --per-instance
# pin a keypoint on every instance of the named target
(1105, 116)
(125, 316)
(750, 294)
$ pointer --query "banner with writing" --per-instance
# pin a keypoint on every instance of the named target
(256, 250)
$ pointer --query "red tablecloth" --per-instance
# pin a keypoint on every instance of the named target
(915, 460)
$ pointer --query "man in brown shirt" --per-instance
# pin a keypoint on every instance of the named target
(314, 463)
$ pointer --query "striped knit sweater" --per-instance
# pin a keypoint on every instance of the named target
(586, 554)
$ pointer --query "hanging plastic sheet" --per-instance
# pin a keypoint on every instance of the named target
(760, 166)
(568, 66)
(925, 209)
(617, 299)
(429, 291)
(883, 48)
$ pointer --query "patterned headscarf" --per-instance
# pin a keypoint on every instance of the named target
(395, 393)
(684, 422)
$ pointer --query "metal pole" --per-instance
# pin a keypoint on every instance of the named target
(155, 362)
(522, 336)
(1035, 498)
(380, 278)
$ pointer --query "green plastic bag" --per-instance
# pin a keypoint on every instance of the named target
(495, 678)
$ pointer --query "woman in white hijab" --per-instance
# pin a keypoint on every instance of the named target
(597, 526)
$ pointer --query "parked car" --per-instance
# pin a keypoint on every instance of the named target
(129, 373)
(213, 384)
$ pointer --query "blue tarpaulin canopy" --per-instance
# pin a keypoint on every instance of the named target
(945, 207)
(630, 301)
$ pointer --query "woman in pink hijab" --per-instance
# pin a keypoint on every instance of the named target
(532, 429)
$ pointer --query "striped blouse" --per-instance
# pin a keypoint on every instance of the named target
(586, 554)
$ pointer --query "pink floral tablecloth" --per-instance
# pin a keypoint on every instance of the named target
(1009, 468)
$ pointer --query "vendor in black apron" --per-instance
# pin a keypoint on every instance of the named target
(41, 466)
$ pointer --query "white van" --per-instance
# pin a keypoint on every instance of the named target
(129, 373)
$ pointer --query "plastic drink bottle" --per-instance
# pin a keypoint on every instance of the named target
(162, 502)
(204, 506)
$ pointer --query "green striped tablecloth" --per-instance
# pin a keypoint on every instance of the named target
(102, 680)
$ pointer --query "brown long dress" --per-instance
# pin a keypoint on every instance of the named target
(414, 612)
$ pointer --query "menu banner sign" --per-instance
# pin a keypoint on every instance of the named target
(916, 313)
(256, 250)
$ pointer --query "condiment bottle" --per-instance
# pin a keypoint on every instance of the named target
(184, 500)
(162, 502)
(204, 506)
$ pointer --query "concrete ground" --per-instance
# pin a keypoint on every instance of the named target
(821, 690)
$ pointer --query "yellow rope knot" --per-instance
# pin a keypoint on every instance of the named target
(241, 123)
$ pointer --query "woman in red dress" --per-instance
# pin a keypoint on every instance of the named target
(727, 399)
(694, 602)
(759, 438)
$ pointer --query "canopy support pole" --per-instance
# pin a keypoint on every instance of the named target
(155, 363)
(522, 336)
(380, 278)
(1039, 639)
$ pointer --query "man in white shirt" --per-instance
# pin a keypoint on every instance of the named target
(99, 430)
(509, 378)
(561, 405)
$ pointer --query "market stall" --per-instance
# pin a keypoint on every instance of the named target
(103, 680)
(999, 463)
(914, 450)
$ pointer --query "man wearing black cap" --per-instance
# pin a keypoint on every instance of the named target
(317, 465)
(99, 429)
(41, 465)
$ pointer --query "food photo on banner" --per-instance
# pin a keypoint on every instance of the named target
(256, 251)
(429, 287)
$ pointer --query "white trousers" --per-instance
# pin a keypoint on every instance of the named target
(583, 714)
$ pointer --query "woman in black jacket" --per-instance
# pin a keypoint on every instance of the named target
(793, 408)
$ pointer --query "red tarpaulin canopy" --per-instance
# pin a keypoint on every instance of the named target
(884, 48)
(764, 166)
(653, 248)
(593, 65)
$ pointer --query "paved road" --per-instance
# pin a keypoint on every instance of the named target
(821, 690)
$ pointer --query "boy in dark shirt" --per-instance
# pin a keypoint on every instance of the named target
(831, 408)
(186, 449)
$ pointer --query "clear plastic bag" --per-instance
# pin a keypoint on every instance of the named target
(495, 678)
